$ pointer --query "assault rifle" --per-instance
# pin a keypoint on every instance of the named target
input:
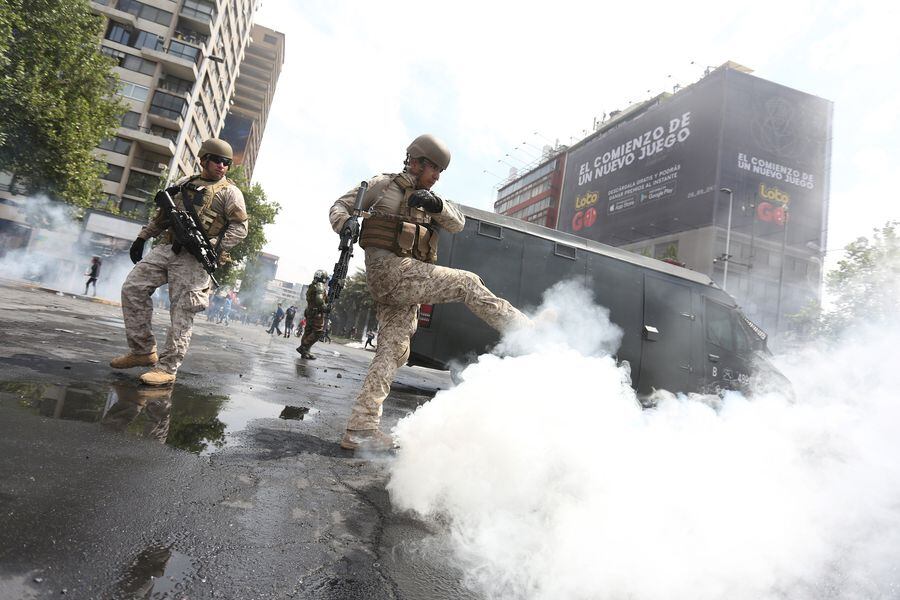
(187, 231)
(349, 236)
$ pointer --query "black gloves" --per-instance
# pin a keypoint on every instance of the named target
(350, 230)
(426, 200)
(137, 250)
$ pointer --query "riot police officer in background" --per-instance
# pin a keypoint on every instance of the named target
(400, 239)
(316, 301)
(220, 210)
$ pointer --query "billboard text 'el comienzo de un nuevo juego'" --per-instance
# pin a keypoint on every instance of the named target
(657, 174)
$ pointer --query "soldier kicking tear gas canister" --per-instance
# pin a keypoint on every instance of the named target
(400, 236)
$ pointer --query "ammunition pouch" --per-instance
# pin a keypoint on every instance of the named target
(418, 240)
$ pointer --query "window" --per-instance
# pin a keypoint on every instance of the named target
(117, 145)
(176, 85)
(718, 325)
(134, 208)
(138, 64)
(141, 184)
(184, 51)
(113, 173)
(131, 120)
(134, 91)
(270, 39)
(144, 11)
(168, 106)
(116, 32)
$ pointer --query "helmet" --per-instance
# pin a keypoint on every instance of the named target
(320, 276)
(217, 147)
(430, 147)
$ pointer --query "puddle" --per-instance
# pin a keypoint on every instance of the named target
(177, 416)
(157, 572)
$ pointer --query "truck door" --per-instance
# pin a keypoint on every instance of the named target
(666, 336)
(728, 350)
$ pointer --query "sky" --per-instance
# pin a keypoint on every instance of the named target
(498, 80)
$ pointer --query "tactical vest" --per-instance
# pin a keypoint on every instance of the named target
(211, 220)
(404, 234)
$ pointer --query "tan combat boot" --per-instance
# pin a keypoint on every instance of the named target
(157, 377)
(372, 440)
(126, 361)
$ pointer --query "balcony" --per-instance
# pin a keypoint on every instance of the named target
(185, 34)
(154, 139)
(178, 59)
(150, 166)
(201, 15)
(119, 16)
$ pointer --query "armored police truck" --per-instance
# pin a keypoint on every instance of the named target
(682, 332)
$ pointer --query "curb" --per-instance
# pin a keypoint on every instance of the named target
(19, 283)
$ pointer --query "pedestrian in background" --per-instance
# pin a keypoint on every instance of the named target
(370, 338)
(289, 320)
(277, 316)
(400, 238)
(93, 273)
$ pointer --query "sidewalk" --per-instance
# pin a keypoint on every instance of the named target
(23, 284)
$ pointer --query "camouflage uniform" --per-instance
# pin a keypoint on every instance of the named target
(316, 299)
(400, 284)
(189, 284)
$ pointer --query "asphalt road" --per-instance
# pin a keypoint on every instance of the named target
(231, 484)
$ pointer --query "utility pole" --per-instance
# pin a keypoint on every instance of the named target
(727, 256)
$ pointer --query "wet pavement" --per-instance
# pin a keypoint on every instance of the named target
(229, 484)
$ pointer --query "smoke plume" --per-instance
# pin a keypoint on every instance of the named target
(550, 481)
(57, 255)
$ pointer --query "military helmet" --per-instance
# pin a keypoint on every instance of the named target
(321, 275)
(430, 147)
(217, 147)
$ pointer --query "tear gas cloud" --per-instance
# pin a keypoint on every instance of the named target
(57, 256)
(550, 481)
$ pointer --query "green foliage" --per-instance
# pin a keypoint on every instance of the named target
(262, 212)
(863, 288)
(354, 303)
(57, 97)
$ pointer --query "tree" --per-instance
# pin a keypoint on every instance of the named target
(58, 97)
(864, 287)
(262, 212)
(354, 303)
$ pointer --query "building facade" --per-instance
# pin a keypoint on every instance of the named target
(534, 196)
(178, 62)
(253, 94)
(729, 176)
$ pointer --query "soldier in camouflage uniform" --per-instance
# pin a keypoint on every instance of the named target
(222, 213)
(400, 240)
(316, 301)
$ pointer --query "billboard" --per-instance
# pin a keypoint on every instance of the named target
(775, 151)
(652, 175)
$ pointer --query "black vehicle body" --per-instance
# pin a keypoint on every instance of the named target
(682, 333)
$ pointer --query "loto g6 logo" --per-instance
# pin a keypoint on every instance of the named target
(773, 205)
(585, 218)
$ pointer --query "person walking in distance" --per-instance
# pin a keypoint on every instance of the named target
(370, 339)
(316, 302)
(289, 315)
(219, 208)
(277, 316)
(93, 274)
(400, 239)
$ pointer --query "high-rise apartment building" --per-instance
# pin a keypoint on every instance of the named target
(253, 94)
(178, 62)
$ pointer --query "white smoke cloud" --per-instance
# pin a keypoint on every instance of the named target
(551, 482)
(57, 256)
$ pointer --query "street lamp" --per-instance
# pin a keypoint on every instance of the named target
(727, 255)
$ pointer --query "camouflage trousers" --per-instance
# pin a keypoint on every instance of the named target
(188, 294)
(399, 286)
(315, 325)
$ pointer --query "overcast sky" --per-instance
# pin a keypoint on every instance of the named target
(361, 79)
